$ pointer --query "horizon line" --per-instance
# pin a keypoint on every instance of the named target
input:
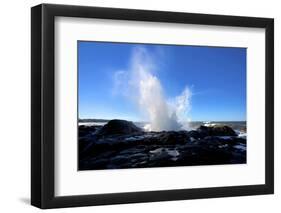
(148, 121)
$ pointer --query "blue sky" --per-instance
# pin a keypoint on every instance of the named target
(216, 77)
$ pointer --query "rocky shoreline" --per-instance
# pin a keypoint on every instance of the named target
(120, 144)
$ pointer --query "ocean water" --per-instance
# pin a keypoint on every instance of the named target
(92, 123)
(240, 127)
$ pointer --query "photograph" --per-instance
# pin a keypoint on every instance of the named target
(160, 105)
(136, 105)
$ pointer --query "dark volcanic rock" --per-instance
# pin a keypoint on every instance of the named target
(120, 144)
(119, 127)
(217, 130)
(85, 130)
(173, 137)
(195, 134)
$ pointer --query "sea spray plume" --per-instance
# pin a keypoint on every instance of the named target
(183, 102)
(151, 97)
(152, 101)
(183, 106)
(145, 89)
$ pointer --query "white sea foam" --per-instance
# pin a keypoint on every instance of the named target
(241, 147)
(209, 124)
(242, 135)
(92, 123)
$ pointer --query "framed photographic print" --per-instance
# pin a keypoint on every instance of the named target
(140, 106)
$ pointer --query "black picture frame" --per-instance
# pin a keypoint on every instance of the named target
(43, 111)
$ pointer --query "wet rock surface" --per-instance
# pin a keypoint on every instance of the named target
(117, 127)
(120, 144)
